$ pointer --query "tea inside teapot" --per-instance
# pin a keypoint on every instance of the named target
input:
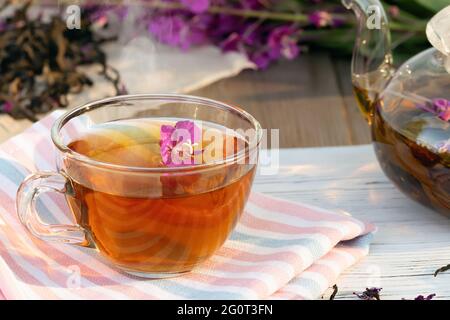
(408, 109)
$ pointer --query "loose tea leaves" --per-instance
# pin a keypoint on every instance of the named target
(39, 61)
(335, 291)
(369, 294)
(443, 269)
(428, 297)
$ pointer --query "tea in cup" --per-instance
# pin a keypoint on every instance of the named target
(156, 183)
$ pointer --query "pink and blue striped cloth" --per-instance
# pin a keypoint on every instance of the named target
(279, 250)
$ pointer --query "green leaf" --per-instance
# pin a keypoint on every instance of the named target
(410, 6)
(433, 5)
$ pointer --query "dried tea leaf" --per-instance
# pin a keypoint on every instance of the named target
(369, 294)
(39, 61)
(443, 269)
(429, 297)
(335, 291)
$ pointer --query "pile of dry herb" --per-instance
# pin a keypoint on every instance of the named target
(39, 61)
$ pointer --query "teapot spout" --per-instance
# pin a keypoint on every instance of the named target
(372, 64)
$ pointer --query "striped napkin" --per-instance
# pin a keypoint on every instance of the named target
(279, 250)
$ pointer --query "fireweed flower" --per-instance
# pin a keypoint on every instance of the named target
(232, 43)
(282, 42)
(196, 6)
(223, 25)
(235, 26)
(252, 35)
(262, 59)
(178, 31)
(188, 28)
(394, 11)
(322, 19)
(440, 107)
(178, 143)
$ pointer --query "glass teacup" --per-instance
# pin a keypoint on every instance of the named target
(148, 216)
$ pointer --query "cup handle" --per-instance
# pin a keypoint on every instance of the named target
(28, 193)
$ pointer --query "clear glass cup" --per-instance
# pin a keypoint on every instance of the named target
(148, 221)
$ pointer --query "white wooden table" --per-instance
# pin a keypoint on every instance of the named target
(411, 242)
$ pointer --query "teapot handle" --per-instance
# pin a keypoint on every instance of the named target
(372, 62)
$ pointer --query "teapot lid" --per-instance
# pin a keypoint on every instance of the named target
(438, 33)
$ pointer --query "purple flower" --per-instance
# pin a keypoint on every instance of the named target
(394, 11)
(232, 43)
(178, 31)
(440, 107)
(320, 19)
(3, 25)
(262, 40)
(196, 6)
(7, 106)
(252, 35)
(225, 24)
(262, 59)
(283, 43)
(166, 29)
(178, 143)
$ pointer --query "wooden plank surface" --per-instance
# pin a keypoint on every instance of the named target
(411, 242)
(308, 99)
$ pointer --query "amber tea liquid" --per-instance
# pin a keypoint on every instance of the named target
(161, 223)
(407, 145)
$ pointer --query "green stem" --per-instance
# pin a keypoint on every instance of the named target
(277, 16)
(417, 27)
(265, 15)
(245, 13)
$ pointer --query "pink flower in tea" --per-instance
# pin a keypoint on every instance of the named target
(178, 143)
(442, 107)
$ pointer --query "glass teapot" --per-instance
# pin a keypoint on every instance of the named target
(408, 109)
